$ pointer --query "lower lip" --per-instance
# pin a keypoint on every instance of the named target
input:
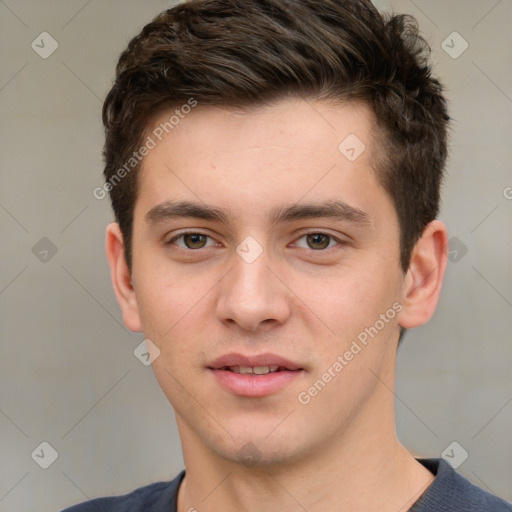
(255, 386)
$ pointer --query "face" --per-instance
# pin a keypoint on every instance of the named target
(259, 245)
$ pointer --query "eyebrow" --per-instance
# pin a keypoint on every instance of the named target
(185, 209)
(334, 209)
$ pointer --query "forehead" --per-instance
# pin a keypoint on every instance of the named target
(294, 123)
(280, 152)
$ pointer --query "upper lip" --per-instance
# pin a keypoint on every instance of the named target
(235, 359)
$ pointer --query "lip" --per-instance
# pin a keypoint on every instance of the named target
(235, 359)
(252, 385)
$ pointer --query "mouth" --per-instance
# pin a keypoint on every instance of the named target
(254, 376)
(254, 370)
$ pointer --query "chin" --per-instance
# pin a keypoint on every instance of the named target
(254, 455)
(254, 450)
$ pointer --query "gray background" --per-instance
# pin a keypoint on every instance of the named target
(67, 369)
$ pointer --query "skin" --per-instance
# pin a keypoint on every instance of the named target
(339, 451)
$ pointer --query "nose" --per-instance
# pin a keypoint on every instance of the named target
(252, 297)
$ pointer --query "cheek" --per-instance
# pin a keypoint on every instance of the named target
(355, 305)
(176, 315)
(166, 297)
(343, 299)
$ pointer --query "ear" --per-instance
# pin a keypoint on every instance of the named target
(424, 278)
(121, 277)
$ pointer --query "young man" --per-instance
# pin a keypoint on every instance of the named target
(274, 167)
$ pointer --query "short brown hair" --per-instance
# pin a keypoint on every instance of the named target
(244, 53)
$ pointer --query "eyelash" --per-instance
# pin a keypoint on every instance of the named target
(185, 233)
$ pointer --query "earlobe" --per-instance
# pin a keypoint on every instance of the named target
(424, 278)
(121, 277)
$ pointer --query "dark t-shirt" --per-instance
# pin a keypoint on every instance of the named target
(449, 492)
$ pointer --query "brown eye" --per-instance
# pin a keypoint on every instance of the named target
(318, 241)
(195, 240)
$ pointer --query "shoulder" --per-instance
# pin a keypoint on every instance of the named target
(451, 492)
(160, 496)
